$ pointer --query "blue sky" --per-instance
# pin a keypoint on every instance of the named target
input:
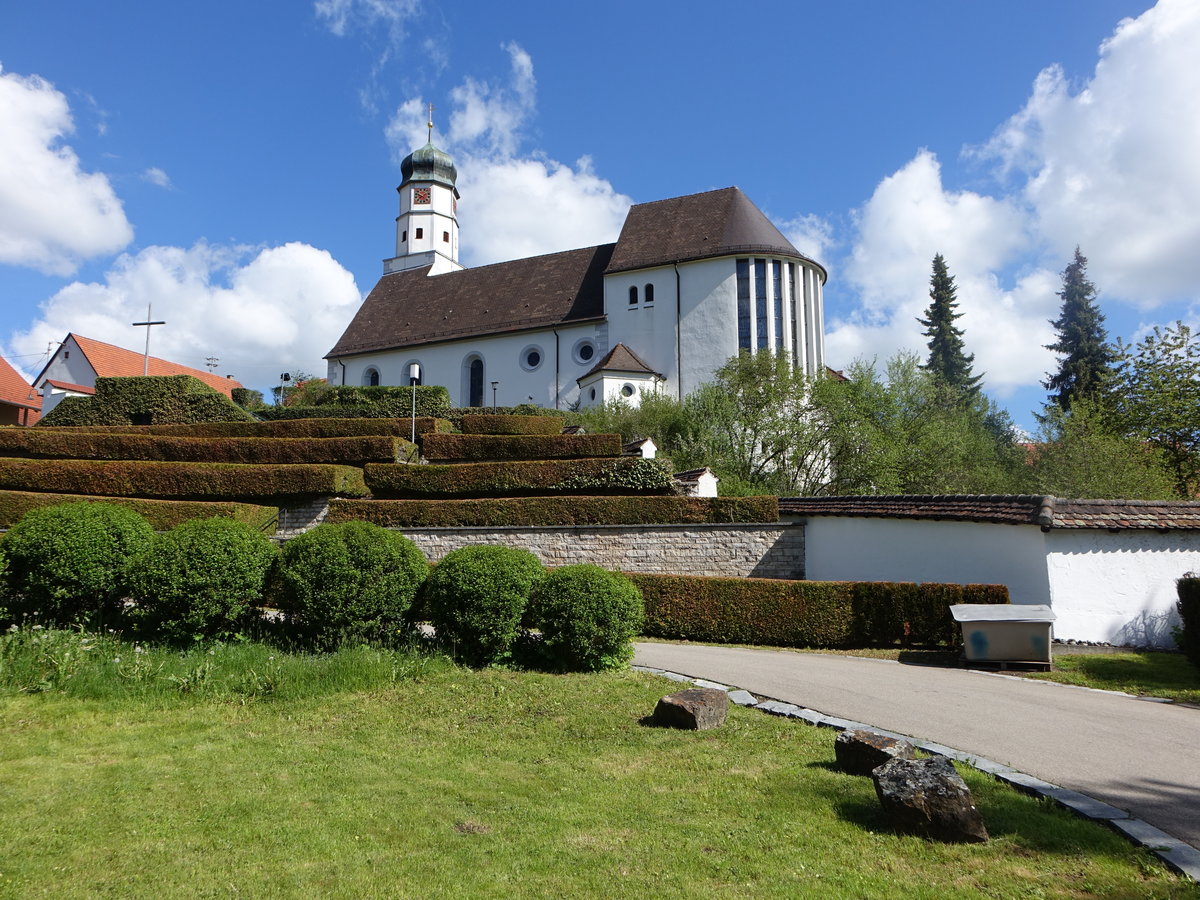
(235, 163)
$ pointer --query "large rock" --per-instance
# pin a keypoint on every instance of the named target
(861, 752)
(695, 708)
(927, 797)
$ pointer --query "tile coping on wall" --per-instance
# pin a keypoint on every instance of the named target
(1178, 855)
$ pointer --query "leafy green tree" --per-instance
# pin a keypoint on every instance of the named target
(948, 359)
(1157, 399)
(1086, 359)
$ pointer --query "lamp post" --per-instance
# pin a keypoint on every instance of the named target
(284, 378)
(414, 378)
(495, 384)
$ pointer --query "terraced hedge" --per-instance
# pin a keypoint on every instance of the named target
(55, 444)
(601, 475)
(380, 401)
(483, 447)
(532, 511)
(161, 514)
(500, 424)
(806, 613)
(458, 413)
(181, 480)
(161, 398)
(301, 428)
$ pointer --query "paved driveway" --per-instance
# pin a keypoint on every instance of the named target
(1136, 755)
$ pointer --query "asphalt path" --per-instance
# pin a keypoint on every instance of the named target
(1139, 756)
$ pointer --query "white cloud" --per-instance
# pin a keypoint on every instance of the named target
(344, 15)
(52, 213)
(514, 204)
(157, 177)
(1112, 167)
(810, 234)
(262, 311)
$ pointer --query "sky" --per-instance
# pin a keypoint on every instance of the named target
(235, 164)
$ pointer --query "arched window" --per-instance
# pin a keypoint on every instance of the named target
(474, 382)
(649, 294)
(633, 295)
(371, 377)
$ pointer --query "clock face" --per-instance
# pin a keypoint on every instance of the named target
(421, 196)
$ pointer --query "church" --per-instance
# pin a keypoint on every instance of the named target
(689, 283)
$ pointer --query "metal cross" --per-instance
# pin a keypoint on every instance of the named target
(147, 324)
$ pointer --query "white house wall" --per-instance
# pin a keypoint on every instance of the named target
(1118, 587)
(69, 365)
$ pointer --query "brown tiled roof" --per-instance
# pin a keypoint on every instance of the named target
(413, 307)
(1016, 509)
(620, 359)
(15, 390)
(67, 386)
(111, 361)
(698, 226)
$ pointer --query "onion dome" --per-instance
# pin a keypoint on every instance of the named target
(429, 164)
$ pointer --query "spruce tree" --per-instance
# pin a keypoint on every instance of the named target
(947, 360)
(1086, 360)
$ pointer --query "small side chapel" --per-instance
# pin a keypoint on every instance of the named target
(689, 282)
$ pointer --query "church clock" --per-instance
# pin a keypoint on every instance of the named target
(421, 196)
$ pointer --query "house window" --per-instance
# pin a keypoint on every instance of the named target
(475, 382)
(633, 295)
(649, 294)
(371, 377)
(743, 303)
(418, 234)
(445, 237)
(760, 302)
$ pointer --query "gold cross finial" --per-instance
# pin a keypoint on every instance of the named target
(430, 123)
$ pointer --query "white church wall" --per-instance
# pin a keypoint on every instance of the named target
(1118, 587)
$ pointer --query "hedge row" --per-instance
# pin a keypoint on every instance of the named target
(458, 413)
(481, 447)
(354, 451)
(381, 401)
(539, 511)
(180, 480)
(300, 428)
(507, 424)
(159, 399)
(600, 475)
(161, 514)
(806, 613)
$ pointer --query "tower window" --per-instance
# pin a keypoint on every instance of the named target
(418, 234)
(633, 295)
(445, 237)
(649, 294)
(404, 237)
(743, 303)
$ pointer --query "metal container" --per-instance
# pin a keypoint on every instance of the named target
(1005, 633)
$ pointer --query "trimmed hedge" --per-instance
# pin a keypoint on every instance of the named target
(485, 447)
(353, 451)
(302, 428)
(458, 413)
(805, 613)
(532, 511)
(162, 398)
(1188, 636)
(505, 424)
(180, 480)
(161, 514)
(380, 401)
(616, 475)
(588, 618)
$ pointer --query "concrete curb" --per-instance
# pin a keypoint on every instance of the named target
(1178, 855)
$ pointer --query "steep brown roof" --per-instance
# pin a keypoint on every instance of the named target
(620, 359)
(1017, 509)
(698, 226)
(111, 361)
(413, 307)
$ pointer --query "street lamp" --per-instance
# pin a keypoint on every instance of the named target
(414, 378)
(495, 384)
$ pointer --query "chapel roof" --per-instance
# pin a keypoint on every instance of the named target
(621, 359)
(1045, 512)
(111, 361)
(413, 307)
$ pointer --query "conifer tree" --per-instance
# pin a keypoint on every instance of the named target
(947, 360)
(1086, 363)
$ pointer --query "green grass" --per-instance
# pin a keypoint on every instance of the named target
(1145, 673)
(373, 773)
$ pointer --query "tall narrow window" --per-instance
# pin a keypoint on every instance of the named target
(475, 378)
(760, 301)
(649, 294)
(445, 237)
(373, 378)
(743, 303)
(418, 234)
(777, 296)
(633, 295)
(796, 351)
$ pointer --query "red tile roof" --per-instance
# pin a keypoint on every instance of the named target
(67, 386)
(111, 361)
(1015, 509)
(15, 390)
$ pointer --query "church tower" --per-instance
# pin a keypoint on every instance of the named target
(427, 227)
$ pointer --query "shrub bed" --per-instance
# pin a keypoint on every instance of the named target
(349, 582)
(160, 398)
(381, 401)
(805, 613)
(600, 475)
(354, 451)
(180, 480)
(527, 511)
(299, 428)
(458, 413)
(507, 424)
(588, 618)
(161, 514)
(66, 563)
(482, 447)
(476, 598)
(202, 580)
(1188, 637)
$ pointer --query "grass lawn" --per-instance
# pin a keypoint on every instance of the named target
(1147, 674)
(374, 774)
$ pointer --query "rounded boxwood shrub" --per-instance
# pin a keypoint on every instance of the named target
(588, 617)
(476, 597)
(66, 563)
(202, 579)
(354, 581)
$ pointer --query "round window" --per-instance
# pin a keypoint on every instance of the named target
(531, 358)
(593, 393)
(585, 351)
(628, 390)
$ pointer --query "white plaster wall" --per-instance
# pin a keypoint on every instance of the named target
(70, 365)
(646, 329)
(862, 549)
(1118, 587)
